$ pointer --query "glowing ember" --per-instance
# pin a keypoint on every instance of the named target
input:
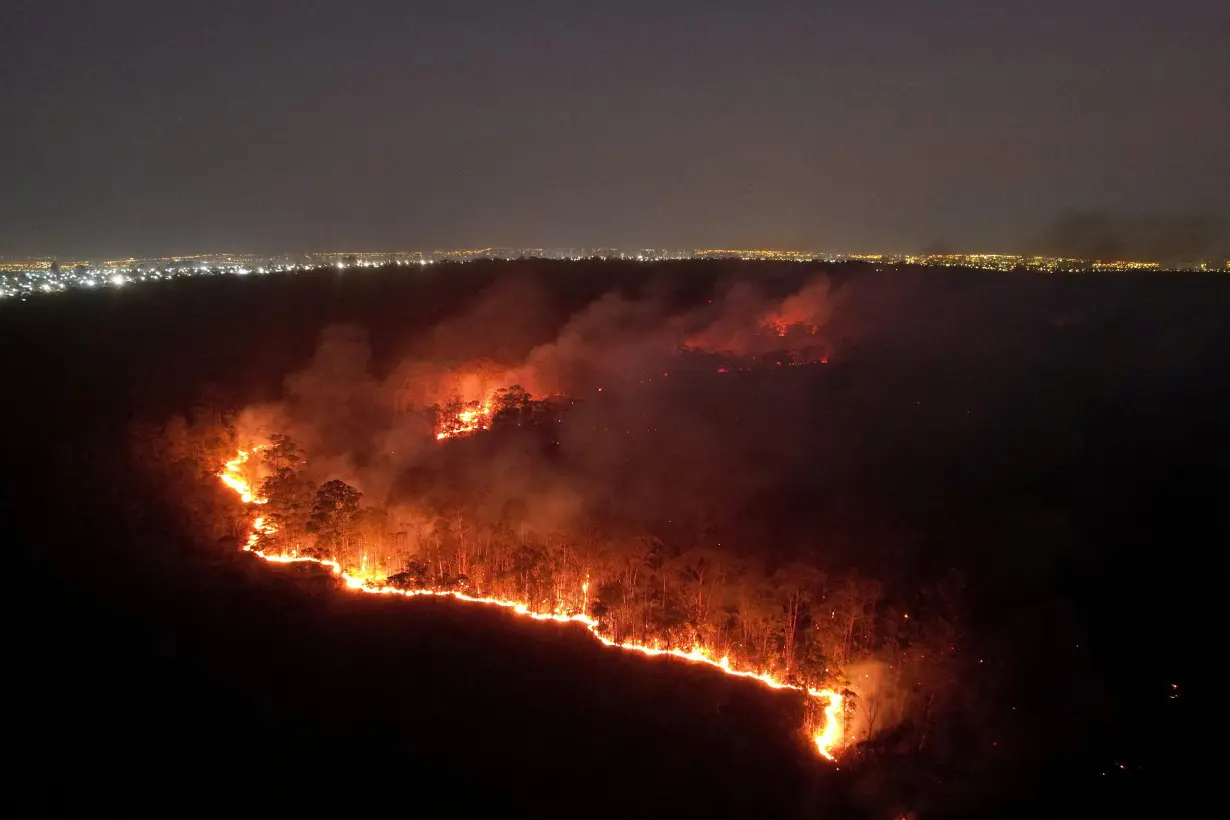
(828, 739)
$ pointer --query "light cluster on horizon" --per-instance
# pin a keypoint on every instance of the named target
(20, 278)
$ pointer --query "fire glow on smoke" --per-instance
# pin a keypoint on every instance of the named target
(827, 738)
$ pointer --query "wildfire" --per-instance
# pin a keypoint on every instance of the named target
(783, 326)
(475, 416)
(232, 476)
(827, 739)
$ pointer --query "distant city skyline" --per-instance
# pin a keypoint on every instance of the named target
(32, 277)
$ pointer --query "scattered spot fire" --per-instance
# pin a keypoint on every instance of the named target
(828, 738)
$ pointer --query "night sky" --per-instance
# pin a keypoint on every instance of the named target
(876, 125)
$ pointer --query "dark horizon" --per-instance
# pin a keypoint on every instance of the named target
(152, 129)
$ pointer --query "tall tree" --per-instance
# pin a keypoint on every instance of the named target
(796, 585)
(335, 512)
(282, 452)
(289, 508)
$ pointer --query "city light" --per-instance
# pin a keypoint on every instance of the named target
(44, 276)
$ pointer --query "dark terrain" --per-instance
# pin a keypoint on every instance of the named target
(1083, 502)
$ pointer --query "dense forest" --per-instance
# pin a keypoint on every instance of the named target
(943, 493)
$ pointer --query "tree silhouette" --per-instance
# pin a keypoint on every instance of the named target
(282, 452)
(289, 508)
(335, 513)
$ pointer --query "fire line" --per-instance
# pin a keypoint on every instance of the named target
(827, 739)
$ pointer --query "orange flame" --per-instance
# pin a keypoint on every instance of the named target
(233, 477)
(828, 739)
(474, 418)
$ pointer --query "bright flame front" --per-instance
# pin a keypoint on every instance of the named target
(232, 476)
(475, 417)
(828, 739)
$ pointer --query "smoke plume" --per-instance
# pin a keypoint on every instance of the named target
(714, 413)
